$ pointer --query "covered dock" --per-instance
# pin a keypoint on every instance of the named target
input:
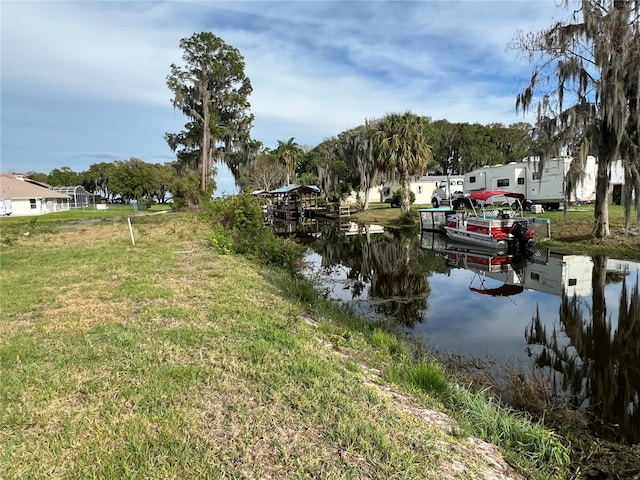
(293, 201)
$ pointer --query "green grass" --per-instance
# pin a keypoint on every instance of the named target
(138, 361)
(486, 419)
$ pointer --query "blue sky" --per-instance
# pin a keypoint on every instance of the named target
(85, 82)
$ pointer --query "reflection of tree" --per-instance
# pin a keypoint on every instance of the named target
(352, 252)
(599, 369)
(394, 266)
(399, 282)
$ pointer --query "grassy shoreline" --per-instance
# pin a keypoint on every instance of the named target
(146, 361)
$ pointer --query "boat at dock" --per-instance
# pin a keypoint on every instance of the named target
(502, 229)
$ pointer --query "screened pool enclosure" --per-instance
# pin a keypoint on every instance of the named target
(78, 196)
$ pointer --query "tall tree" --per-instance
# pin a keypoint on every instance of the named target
(402, 147)
(330, 167)
(97, 178)
(212, 90)
(514, 142)
(446, 150)
(587, 75)
(64, 177)
(264, 172)
(133, 179)
(164, 180)
(289, 153)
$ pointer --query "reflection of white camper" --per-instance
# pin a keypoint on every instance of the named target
(569, 272)
(544, 187)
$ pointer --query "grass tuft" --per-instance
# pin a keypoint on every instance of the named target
(424, 375)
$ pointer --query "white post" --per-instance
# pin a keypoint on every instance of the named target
(133, 241)
(447, 190)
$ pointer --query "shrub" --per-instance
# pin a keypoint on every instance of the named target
(187, 192)
(239, 228)
(396, 199)
(220, 240)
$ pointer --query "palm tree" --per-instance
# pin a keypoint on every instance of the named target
(401, 143)
(289, 154)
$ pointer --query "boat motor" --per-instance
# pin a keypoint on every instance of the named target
(523, 242)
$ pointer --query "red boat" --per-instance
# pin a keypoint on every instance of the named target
(500, 229)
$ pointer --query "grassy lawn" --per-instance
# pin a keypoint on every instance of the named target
(123, 361)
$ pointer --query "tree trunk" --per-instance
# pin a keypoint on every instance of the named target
(406, 195)
(601, 212)
(205, 148)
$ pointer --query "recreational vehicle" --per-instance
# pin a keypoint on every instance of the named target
(447, 191)
(545, 187)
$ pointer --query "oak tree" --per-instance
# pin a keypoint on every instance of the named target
(586, 80)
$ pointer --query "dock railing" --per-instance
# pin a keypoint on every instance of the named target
(344, 211)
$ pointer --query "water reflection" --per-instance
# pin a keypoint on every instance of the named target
(466, 302)
(387, 267)
(600, 365)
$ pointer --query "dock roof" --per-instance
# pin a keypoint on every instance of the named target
(296, 189)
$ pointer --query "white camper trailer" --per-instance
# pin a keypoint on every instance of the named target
(546, 187)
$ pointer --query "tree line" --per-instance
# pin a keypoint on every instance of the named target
(584, 89)
(121, 180)
(351, 161)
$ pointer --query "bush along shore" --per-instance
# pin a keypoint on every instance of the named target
(197, 352)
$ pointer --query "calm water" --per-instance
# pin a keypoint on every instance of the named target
(576, 318)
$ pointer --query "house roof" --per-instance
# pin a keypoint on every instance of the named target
(11, 187)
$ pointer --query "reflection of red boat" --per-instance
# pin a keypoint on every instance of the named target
(501, 291)
(484, 261)
(498, 230)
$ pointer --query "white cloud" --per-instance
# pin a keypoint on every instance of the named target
(93, 52)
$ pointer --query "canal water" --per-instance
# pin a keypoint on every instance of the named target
(574, 318)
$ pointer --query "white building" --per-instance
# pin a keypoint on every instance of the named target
(30, 199)
(422, 188)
